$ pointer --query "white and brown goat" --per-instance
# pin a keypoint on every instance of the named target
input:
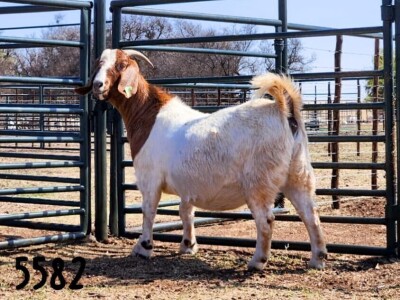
(240, 155)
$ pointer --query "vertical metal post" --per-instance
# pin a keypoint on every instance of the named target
(282, 12)
(100, 108)
(84, 121)
(41, 117)
(117, 194)
(387, 18)
(397, 71)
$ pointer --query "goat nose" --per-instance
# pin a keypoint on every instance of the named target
(97, 84)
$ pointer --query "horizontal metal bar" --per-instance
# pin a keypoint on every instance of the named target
(214, 79)
(337, 219)
(224, 18)
(58, 3)
(279, 216)
(254, 36)
(161, 204)
(343, 106)
(41, 80)
(42, 240)
(39, 178)
(39, 156)
(30, 200)
(200, 16)
(283, 245)
(346, 75)
(296, 26)
(127, 163)
(206, 214)
(39, 133)
(124, 3)
(40, 42)
(42, 190)
(347, 165)
(130, 187)
(41, 165)
(208, 86)
(24, 9)
(42, 214)
(346, 138)
(44, 139)
(41, 225)
(49, 109)
(350, 192)
(351, 75)
(203, 51)
(169, 226)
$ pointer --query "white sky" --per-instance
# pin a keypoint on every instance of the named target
(357, 52)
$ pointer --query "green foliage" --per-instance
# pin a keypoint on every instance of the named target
(374, 91)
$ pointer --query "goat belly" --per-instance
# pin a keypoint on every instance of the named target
(228, 197)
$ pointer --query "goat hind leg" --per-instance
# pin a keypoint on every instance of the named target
(188, 244)
(144, 246)
(307, 210)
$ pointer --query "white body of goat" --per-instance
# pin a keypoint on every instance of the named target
(240, 155)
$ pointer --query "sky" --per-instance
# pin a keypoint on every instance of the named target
(357, 52)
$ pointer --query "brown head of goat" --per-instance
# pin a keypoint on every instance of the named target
(117, 79)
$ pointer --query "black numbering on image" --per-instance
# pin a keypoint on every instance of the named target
(58, 268)
(57, 280)
(74, 283)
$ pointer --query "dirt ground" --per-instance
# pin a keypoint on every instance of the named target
(215, 272)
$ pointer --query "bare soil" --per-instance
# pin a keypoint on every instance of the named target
(215, 272)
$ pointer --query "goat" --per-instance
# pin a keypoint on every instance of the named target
(239, 155)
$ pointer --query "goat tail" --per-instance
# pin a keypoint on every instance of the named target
(283, 90)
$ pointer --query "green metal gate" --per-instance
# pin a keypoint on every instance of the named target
(34, 181)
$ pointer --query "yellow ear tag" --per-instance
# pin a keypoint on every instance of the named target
(128, 91)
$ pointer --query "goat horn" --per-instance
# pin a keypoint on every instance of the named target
(137, 54)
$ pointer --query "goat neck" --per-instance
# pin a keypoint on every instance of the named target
(139, 112)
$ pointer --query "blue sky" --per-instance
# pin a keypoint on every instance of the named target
(357, 52)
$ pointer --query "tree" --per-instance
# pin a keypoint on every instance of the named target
(7, 62)
(51, 61)
(297, 60)
(374, 87)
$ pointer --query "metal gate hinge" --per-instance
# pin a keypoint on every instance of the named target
(387, 13)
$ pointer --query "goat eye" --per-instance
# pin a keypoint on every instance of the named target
(121, 66)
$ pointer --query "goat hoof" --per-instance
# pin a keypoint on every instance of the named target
(140, 256)
(187, 248)
(255, 265)
(318, 261)
(139, 251)
(319, 265)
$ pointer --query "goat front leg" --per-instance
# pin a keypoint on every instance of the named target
(188, 244)
(144, 246)
(264, 218)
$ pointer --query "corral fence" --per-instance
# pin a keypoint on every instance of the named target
(330, 131)
(352, 142)
(31, 122)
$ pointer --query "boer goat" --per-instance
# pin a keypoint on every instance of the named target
(239, 155)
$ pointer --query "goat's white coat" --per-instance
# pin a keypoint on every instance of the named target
(205, 159)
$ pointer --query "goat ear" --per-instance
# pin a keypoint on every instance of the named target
(128, 83)
(84, 89)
